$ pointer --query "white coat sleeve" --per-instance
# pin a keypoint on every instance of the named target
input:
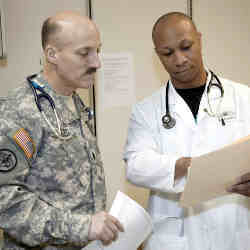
(146, 166)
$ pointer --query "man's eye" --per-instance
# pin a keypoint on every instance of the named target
(167, 54)
(164, 53)
(84, 54)
(186, 47)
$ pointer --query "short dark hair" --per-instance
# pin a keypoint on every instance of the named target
(49, 28)
(167, 16)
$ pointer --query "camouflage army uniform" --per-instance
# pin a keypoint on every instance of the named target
(47, 200)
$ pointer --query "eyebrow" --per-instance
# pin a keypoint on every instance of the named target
(168, 48)
(162, 48)
(87, 48)
(187, 41)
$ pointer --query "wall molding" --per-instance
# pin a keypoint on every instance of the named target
(190, 8)
(3, 52)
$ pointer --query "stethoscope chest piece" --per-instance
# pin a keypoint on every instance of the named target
(168, 121)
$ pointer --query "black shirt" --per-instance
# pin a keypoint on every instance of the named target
(192, 97)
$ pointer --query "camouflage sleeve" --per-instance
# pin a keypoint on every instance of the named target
(26, 216)
(32, 221)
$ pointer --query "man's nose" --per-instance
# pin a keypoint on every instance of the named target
(180, 58)
(94, 61)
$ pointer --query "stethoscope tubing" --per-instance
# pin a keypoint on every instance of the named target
(168, 121)
(34, 86)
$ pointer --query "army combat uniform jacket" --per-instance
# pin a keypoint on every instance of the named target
(49, 187)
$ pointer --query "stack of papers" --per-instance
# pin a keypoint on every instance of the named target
(135, 220)
(210, 174)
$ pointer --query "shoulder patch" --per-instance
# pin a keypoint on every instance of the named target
(8, 160)
(24, 141)
(14, 153)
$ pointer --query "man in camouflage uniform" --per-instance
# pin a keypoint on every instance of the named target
(52, 185)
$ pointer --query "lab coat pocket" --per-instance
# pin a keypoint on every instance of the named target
(166, 235)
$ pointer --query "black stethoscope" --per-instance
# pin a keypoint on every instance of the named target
(169, 122)
(59, 131)
(34, 86)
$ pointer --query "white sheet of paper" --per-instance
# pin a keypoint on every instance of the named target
(210, 174)
(117, 81)
(136, 221)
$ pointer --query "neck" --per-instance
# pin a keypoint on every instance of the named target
(203, 77)
(56, 83)
(197, 81)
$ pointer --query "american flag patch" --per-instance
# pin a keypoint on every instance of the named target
(25, 142)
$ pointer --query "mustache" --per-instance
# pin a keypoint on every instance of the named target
(91, 70)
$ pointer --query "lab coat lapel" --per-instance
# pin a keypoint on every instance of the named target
(179, 108)
(202, 113)
(213, 103)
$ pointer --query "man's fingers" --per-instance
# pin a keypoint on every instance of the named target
(181, 166)
(114, 226)
(104, 227)
(117, 223)
(108, 236)
(243, 189)
(244, 178)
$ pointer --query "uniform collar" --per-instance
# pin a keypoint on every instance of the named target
(60, 101)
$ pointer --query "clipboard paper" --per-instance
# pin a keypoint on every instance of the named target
(210, 174)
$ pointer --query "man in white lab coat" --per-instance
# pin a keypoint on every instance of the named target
(196, 112)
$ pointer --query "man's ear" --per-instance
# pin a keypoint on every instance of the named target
(51, 54)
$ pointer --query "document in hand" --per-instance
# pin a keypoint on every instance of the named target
(210, 174)
(136, 221)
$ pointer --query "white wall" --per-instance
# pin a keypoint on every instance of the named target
(226, 38)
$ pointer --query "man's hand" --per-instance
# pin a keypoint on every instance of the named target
(104, 227)
(181, 167)
(242, 185)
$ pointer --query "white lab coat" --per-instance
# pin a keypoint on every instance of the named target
(150, 155)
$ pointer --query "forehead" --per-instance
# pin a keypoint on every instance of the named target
(172, 33)
(78, 35)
